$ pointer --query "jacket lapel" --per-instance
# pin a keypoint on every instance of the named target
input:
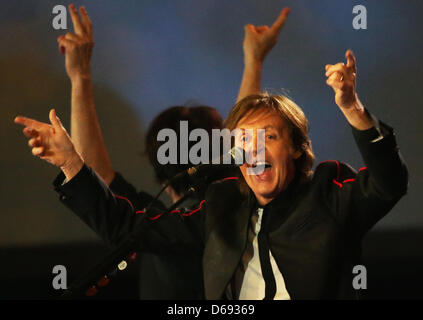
(226, 237)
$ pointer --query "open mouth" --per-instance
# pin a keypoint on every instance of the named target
(258, 168)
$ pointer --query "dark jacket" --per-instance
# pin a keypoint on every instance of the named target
(314, 229)
(165, 276)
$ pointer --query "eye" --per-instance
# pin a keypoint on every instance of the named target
(271, 136)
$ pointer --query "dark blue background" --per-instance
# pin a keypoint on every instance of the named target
(150, 55)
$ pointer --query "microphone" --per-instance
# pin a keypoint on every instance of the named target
(237, 159)
(204, 170)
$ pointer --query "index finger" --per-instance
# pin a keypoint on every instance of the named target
(349, 55)
(280, 21)
(77, 24)
(27, 122)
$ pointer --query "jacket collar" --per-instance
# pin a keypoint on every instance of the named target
(226, 233)
(225, 243)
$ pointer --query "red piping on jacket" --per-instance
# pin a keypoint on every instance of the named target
(336, 181)
(348, 180)
(194, 211)
(187, 214)
(159, 215)
(230, 178)
(123, 198)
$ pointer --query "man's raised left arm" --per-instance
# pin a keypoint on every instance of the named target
(373, 191)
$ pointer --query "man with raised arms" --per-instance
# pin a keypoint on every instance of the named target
(286, 233)
(165, 276)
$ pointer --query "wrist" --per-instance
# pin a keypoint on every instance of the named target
(72, 166)
(357, 116)
(253, 69)
(355, 106)
(80, 78)
(252, 62)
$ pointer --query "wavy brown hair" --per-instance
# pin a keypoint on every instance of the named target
(294, 119)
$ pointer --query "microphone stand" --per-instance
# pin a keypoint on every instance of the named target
(118, 259)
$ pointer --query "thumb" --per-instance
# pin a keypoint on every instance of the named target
(54, 120)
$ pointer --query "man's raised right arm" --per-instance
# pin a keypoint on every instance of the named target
(85, 128)
(258, 41)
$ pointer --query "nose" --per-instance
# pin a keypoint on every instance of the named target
(255, 145)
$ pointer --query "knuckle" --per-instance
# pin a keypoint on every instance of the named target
(345, 86)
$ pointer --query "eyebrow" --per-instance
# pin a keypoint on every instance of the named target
(265, 128)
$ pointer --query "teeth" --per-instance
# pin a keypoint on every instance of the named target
(261, 164)
(258, 168)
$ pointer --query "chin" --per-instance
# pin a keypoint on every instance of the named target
(265, 192)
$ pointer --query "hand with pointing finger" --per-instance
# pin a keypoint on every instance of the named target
(342, 79)
(77, 46)
(259, 40)
(52, 143)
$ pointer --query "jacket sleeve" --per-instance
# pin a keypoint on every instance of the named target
(360, 199)
(114, 217)
(120, 186)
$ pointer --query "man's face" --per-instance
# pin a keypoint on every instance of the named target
(278, 151)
